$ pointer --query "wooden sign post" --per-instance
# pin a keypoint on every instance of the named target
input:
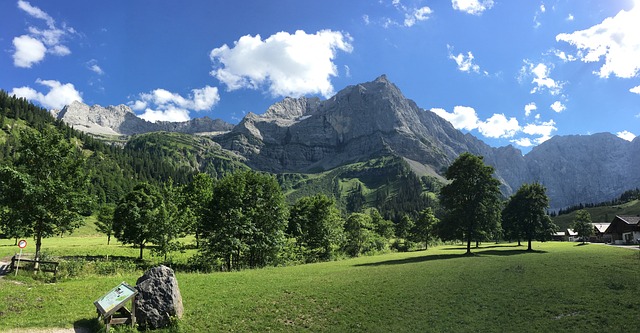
(111, 306)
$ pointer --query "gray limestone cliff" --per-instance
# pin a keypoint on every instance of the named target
(120, 120)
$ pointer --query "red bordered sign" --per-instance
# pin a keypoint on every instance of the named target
(22, 244)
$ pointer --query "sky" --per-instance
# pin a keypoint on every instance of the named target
(509, 72)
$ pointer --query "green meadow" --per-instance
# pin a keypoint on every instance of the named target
(501, 288)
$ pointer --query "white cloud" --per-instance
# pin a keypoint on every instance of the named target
(626, 135)
(543, 8)
(523, 142)
(498, 126)
(635, 90)
(557, 106)
(474, 7)
(163, 105)
(543, 130)
(541, 79)
(290, 65)
(32, 48)
(570, 17)
(28, 51)
(36, 12)
(418, 14)
(530, 108)
(564, 57)
(465, 63)
(616, 39)
(93, 66)
(58, 96)
(366, 20)
(462, 117)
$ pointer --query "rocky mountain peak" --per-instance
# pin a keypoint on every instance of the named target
(121, 120)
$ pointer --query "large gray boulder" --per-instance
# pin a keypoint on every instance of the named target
(158, 298)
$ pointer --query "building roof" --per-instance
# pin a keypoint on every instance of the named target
(559, 233)
(601, 227)
(629, 219)
(570, 232)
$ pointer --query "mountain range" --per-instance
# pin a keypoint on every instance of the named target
(373, 120)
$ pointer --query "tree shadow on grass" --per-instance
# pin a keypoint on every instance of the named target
(464, 247)
(413, 260)
(87, 325)
(425, 258)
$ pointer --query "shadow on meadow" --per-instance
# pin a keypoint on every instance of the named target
(478, 253)
(87, 325)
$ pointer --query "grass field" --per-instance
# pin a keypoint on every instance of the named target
(502, 288)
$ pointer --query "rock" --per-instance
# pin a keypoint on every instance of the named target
(158, 298)
(121, 120)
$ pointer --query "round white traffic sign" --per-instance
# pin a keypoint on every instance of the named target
(22, 244)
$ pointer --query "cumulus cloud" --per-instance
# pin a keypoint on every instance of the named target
(557, 106)
(626, 135)
(288, 64)
(616, 40)
(540, 78)
(530, 108)
(163, 105)
(498, 126)
(635, 90)
(541, 129)
(57, 97)
(418, 14)
(30, 49)
(473, 7)
(564, 56)
(464, 117)
(465, 63)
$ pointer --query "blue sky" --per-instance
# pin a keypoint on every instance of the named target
(509, 72)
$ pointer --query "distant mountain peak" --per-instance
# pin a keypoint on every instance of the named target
(121, 120)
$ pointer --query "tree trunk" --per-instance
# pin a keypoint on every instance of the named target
(141, 248)
(108, 239)
(36, 267)
(477, 244)
(468, 245)
(529, 245)
(519, 244)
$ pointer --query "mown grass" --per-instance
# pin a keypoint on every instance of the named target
(559, 287)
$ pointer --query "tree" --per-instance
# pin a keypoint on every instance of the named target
(471, 200)
(245, 221)
(316, 224)
(382, 227)
(104, 221)
(525, 214)
(198, 194)
(582, 224)
(137, 214)
(45, 188)
(424, 228)
(360, 235)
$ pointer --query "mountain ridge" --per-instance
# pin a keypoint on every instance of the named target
(374, 119)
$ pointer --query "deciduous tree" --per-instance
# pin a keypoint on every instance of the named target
(45, 189)
(582, 224)
(471, 200)
(525, 214)
(316, 224)
(245, 221)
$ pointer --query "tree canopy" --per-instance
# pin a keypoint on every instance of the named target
(582, 225)
(43, 192)
(525, 214)
(245, 220)
(471, 200)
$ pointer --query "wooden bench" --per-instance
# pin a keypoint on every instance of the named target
(26, 260)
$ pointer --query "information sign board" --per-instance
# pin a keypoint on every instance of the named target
(115, 299)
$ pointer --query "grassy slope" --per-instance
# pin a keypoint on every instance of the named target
(562, 287)
(601, 214)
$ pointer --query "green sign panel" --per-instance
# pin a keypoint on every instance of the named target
(115, 298)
